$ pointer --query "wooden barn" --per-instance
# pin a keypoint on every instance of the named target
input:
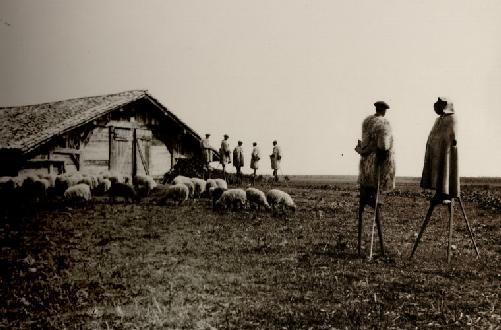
(128, 133)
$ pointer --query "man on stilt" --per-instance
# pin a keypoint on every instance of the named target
(254, 163)
(238, 161)
(224, 154)
(377, 168)
(440, 170)
(206, 155)
(275, 158)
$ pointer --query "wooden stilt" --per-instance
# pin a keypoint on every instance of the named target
(450, 208)
(451, 224)
(423, 226)
(380, 229)
(468, 225)
(376, 202)
(360, 225)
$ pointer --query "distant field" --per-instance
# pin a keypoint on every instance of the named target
(332, 179)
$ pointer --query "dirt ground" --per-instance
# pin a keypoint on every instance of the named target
(144, 266)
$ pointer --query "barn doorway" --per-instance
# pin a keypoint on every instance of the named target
(129, 150)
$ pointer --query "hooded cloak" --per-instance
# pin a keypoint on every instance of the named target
(440, 170)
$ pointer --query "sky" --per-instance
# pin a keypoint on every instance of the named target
(303, 72)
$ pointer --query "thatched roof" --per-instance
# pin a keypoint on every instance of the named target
(27, 127)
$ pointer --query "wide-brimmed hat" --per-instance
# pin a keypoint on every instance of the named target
(381, 105)
(226, 135)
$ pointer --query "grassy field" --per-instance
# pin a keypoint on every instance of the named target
(144, 266)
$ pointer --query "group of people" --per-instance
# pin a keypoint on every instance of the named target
(225, 157)
(377, 162)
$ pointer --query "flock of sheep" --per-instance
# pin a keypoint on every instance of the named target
(80, 187)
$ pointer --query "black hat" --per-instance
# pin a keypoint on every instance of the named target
(381, 105)
(226, 135)
(207, 134)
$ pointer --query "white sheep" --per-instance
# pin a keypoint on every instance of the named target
(216, 183)
(144, 184)
(200, 185)
(257, 198)
(63, 182)
(102, 187)
(88, 181)
(280, 199)
(214, 194)
(186, 181)
(177, 192)
(34, 189)
(232, 198)
(78, 193)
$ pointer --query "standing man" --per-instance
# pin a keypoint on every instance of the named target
(238, 160)
(377, 167)
(254, 163)
(224, 154)
(276, 157)
(206, 154)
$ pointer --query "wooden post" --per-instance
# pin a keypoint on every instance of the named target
(110, 129)
(451, 221)
(468, 225)
(134, 150)
(423, 226)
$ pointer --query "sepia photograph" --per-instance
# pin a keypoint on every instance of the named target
(236, 164)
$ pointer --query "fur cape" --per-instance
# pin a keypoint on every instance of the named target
(224, 152)
(255, 157)
(238, 157)
(440, 170)
(376, 134)
(275, 158)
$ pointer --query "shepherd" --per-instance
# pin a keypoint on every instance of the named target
(275, 158)
(224, 154)
(238, 160)
(377, 168)
(254, 163)
(206, 154)
(440, 170)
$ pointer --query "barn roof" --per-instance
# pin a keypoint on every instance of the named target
(27, 127)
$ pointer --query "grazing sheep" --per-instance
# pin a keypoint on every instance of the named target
(231, 198)
(113, 177)
(88, 181)
(78, 193)
(144, 184)
(177, 192)
(187, 181)
(102, 187)
(216, 183)
(124, 190)
(34, 189)
(64, 181)
(257, 198)
(200, 185)
(214, 194)
(49, 177)
(280, 199)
